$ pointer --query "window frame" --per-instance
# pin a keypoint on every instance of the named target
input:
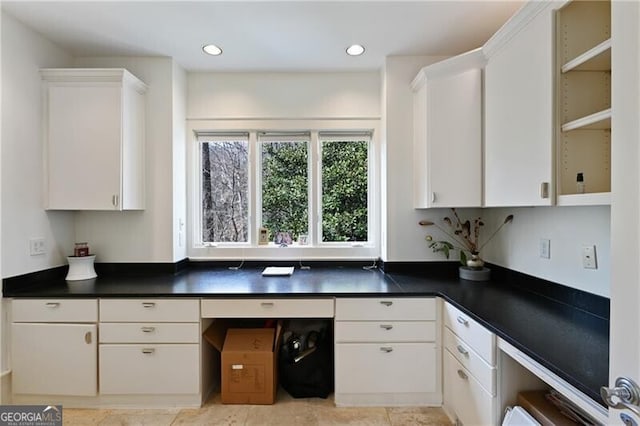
(317, 249)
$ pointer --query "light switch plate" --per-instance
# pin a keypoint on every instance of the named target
(545, 248)
(589, 260)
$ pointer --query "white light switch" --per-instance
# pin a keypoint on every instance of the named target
(589, 257)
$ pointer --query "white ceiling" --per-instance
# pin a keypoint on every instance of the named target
(266, 35)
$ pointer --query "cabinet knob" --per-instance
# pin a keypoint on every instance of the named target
(433, 197)
(386, 326)
(148, 351)
(386, 349)
(148, 329)
(462, 350)
(114, 200)
(462, 375)
(386, 302)
(87, 338)
(462, 321)
(267, 304)
(148, 304)
(52, 304)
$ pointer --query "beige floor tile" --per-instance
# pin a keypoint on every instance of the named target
(213, 415)
(374, 416)
(288, 412)
(140, 418)
(83, 417)
(410, 416)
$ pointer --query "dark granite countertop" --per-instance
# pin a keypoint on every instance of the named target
(571, 342)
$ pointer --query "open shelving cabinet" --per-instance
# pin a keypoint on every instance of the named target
(583, 87)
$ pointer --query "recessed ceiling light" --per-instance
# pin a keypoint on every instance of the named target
(355, 50)
(212, 49)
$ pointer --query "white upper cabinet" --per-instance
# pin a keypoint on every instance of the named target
(447, 140)
(519, 110)
(94, 139)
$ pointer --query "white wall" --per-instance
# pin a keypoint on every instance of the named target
(283, 95)
(24, 52)
(140, 236)
(179, 97)
(568, 228)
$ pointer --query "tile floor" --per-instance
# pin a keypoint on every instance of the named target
(287, 411)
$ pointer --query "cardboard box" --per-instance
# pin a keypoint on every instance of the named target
(249, 362)
(542, 410)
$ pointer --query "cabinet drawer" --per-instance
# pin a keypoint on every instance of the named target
(390, 331)
(54, 310)
(149, 332)
(473, 334)
(149, 369)
(267, 308)
(473, 362)
(385, 368)
(464, 395)
(386, 309)
(149, 310)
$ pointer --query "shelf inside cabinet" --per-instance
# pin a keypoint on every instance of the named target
(596, 59)
(600, 120)
(589, 199)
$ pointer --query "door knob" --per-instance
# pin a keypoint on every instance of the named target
(624, 396)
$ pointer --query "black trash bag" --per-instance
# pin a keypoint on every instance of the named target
(306, 363)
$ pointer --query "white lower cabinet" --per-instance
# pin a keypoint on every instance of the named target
(470, 372)
(54, 347)
(54, 359)
(387, 352)
(149, 369)
(465, 396)
(158, 357)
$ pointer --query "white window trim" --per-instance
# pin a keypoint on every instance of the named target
(251, 250)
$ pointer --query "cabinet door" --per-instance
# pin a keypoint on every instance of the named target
(83, 147)
(447, 144)
(454, 132)
(519, 118)
(54, 359)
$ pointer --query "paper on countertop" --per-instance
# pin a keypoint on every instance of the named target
(277, 270)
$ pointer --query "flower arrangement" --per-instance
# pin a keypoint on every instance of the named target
(465, 236)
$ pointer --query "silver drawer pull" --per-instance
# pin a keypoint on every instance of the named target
(462, 321)
(148, 329)
(148, 304)
(386, 326)
(386, 302)
(148, 351)
(267, 304)
(462, 350)
(87, 338)
(52, 304)
(386, 349)
(462, 375)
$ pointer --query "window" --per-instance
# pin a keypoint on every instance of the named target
(285, 183)
(224, 175)
(311, 188)
(345, 180)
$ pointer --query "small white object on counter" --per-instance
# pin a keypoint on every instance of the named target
(277, 271)
(81, 268)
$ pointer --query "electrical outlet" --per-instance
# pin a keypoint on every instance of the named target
(37, 246)
(589, 260)
(545, 248)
